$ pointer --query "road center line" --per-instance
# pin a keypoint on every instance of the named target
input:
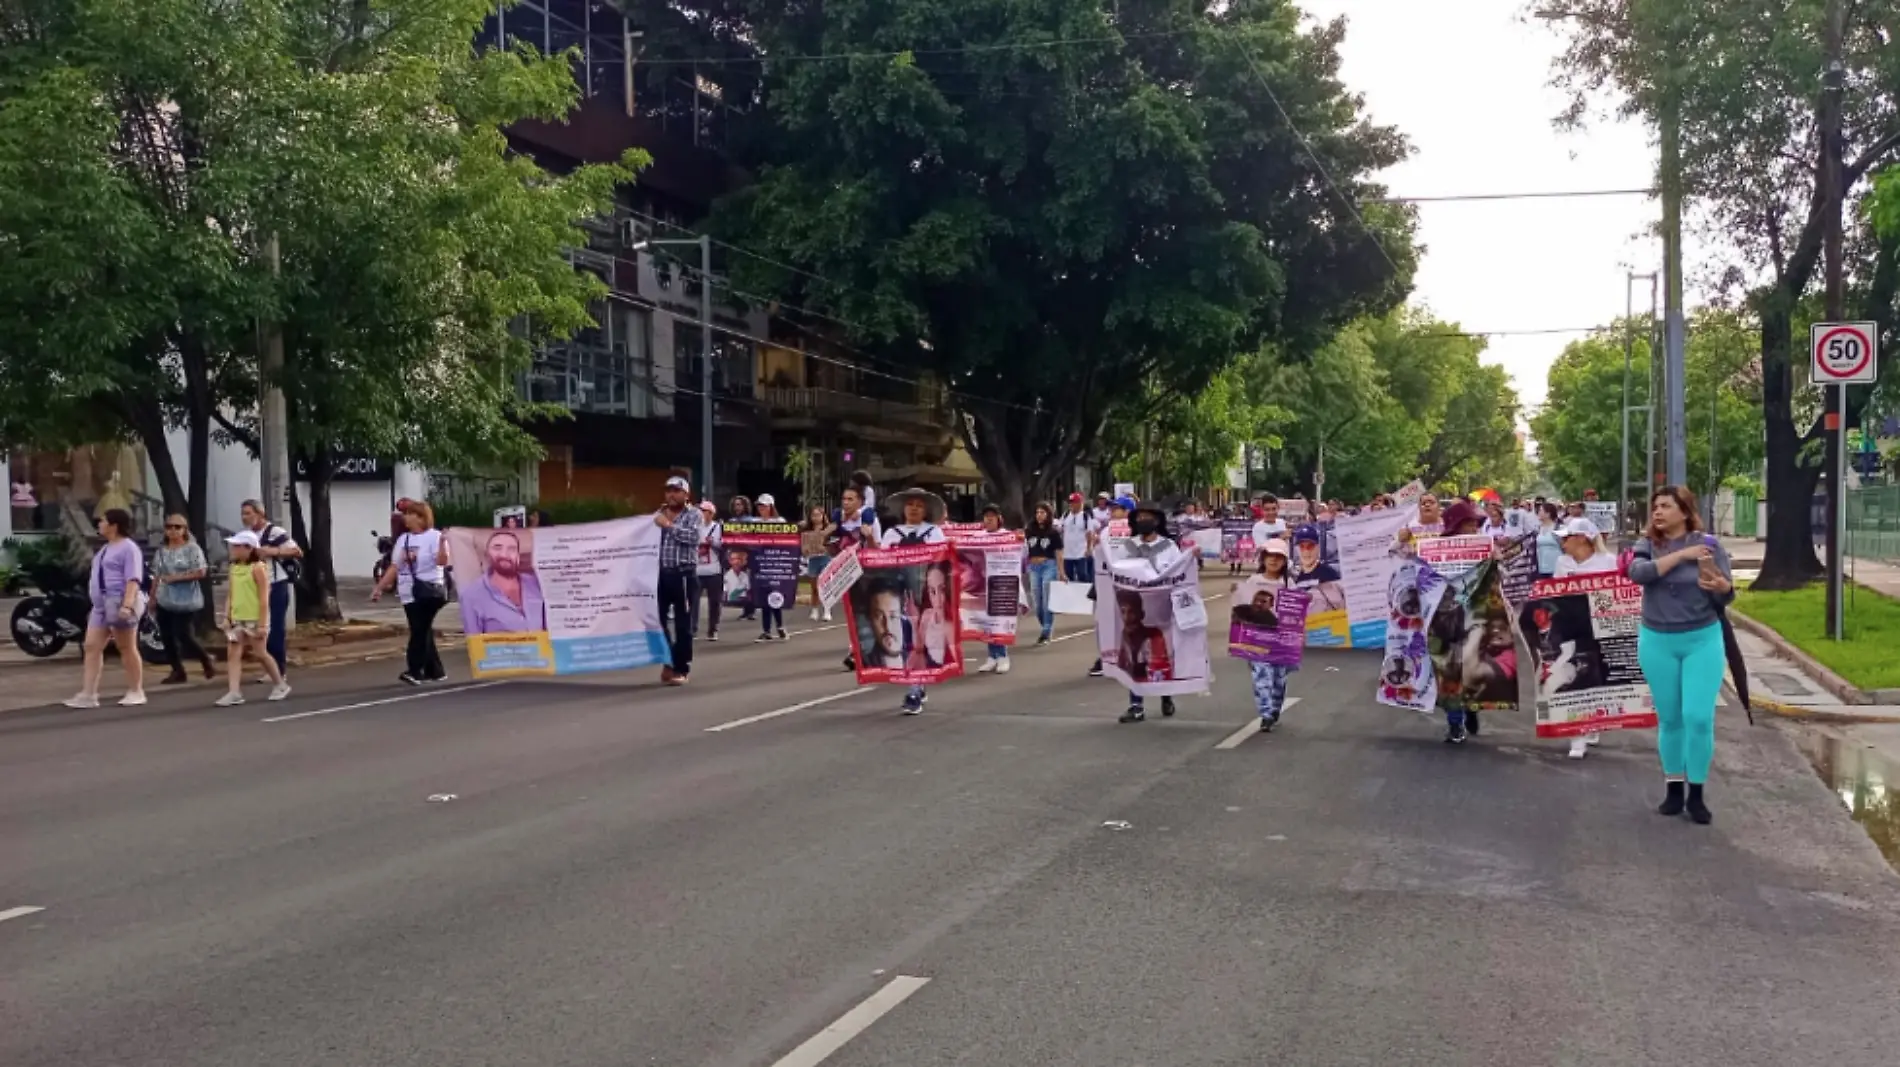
(1071, 637)
(750, 719)
(19, 913)
(1235, 739)
(387, 700)
(852, 1023)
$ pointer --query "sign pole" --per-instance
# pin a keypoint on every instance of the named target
(1836, 505)
(1844, 353)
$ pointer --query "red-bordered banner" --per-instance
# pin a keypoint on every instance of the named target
(904, 617)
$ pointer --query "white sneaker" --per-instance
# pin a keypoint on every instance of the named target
(1591, 739)
(988, 667)
(814, 614)
(279, 691)
(826, 617)
(132, 698)
(230, 700)
(1002, 665)
(1579, 747)
(81, 700)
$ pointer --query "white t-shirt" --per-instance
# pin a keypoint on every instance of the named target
(1076, 527)
(1601, 563)
(1262, 530)
(421, 566)
(923, 533)
(710, 539)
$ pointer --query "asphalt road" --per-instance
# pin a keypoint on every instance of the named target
(618, 883)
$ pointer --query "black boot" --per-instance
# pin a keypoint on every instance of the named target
(1471, 723)
(1698, 811)
(1167, 707)
(1672, 799)
(1134, 714)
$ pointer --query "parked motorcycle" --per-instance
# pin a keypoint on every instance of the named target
(43, 624)
(385, 544)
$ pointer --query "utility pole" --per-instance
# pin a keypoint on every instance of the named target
(1833, 78)
(705, 366)
(1676, 461)
(273, 424)
(1647, 408)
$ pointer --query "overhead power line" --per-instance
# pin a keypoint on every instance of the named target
(1464, 197)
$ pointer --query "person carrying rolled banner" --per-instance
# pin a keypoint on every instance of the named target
(921, 511)
(1148, 542)
(857, 528)
(1118, 510)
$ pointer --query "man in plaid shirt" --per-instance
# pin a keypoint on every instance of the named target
(679, 560)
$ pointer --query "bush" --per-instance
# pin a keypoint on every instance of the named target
(45, 563)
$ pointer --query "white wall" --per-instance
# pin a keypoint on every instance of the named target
(359, 513)
(231, 478)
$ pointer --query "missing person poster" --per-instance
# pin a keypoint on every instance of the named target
(560, 599)
(1405, 675)
(1472, 638)
(990, 568)
(1368, 557)
(839, 576)
(1144, 626)
(1268, 623)
(1236, 541)
(762, 563)
(1453, 557)
(903, 615)
(1582, 631)
(1517, 569)
(1316, 570)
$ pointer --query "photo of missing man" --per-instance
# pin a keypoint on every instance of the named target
(738, 575)
(1143, 650)
(1569, 656)
(1316, 569)
(906, 618)
(507, 598)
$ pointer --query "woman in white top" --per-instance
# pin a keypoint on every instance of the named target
(419, 554)
(707, 569)
(1583, 553)
(921, 511)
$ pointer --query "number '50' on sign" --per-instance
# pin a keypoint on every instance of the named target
(1845, 352)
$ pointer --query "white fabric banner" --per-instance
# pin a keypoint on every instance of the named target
(1139, 631)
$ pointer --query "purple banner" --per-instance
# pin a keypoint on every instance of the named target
(1269, 624)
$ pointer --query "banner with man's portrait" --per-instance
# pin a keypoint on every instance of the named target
(1151, 629)
(761, 563)
(904, 615)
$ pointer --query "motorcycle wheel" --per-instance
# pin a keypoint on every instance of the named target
(376, 573)
(151, 642)
(37, 638)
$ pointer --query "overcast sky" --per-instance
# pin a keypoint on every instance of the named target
(1467, 82)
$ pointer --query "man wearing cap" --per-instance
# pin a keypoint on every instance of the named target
(679, 563)
(1103, 507)
(1078, 538)
(707, 570)
(920, 511)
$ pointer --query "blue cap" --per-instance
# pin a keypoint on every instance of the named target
(1126, 503)
(1309, 532)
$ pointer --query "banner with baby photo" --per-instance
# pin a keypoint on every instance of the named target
(762, 563)
(1582, 631)
(990, 569)
(903, 615)
(1268, 623)
(1471, 636)
(1151, 627)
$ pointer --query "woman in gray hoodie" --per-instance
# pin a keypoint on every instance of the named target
(1686, 583)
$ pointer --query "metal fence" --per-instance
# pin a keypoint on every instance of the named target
(1873, 523)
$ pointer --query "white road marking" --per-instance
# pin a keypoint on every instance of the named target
(19, 913)
(387, 700)
(750, 719)
(852, 1023)
(1071, 637)
(1235, 739)
(816, 629)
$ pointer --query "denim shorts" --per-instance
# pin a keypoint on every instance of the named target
(815, 565)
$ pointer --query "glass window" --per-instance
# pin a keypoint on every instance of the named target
(86, 480)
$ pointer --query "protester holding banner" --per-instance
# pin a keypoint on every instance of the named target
(857, 528)
(1113, 528)
(710, 570)
(1045, 545)
(1583, 553)
(921, 512)
(1147, 652)
(1269, 629)
(739, 509)
(679, 576)
(813, 538)
(977, 580)
(1450, 628)
(763, 565)
(1686, 583)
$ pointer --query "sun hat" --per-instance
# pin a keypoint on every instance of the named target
(1459, 513)
(934, 508)
(1276, 546)
(1579, 528)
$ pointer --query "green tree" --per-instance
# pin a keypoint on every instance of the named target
(418, 260)
(1053, 205)
(1743, 80)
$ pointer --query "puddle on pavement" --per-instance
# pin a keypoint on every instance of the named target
(1867, 784)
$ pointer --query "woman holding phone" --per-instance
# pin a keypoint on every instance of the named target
(1686, 583)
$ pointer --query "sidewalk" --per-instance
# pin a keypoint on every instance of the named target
(1779, 686)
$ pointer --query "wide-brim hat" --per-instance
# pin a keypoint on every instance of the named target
(934, 507)
(1459, 513)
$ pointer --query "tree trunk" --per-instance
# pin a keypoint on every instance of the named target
(316, 587)
(1788, 561)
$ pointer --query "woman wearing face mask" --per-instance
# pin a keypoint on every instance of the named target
(1147, 526)
(1686, 582)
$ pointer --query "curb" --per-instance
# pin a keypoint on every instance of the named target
(1797, 713)
(1828, 680)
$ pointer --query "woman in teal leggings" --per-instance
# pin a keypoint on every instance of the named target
(1685, 580)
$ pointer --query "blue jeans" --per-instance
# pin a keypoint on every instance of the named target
(1269, 689)
(999, 651)
(1042, 573)
(1079, 570)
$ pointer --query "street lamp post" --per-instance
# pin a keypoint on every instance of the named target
(704, 241)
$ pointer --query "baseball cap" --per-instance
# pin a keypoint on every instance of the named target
(1123, 502)
(1309, 532)
(1075, 497)
(677, 482)
(247, 538)
(1579, 528)
(765, 500)
(707, 506)
(1274, 547)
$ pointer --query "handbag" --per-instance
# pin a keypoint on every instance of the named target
(423, 592)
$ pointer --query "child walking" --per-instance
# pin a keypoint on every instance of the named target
(246, 623)
(1269, 679)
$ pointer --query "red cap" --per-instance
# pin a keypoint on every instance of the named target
(1074, 497)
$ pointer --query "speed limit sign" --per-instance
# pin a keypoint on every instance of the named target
(1845, 352)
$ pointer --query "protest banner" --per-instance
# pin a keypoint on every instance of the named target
(560, 599)
(1236, 541)
(990, 571)
(1199, 536)
(1293, 512)
(1144, 625)
(1405, 675)
(513, 516)
(1368, 556)
(1268, 623)
(1582, 632)
(1471, 637)
(1316, 570)
(762, 563)
(839, 575)
(1517, 566)
(1409, 495)
(1452, 557)
(903, 615)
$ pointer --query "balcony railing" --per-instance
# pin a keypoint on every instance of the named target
(829, 403)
